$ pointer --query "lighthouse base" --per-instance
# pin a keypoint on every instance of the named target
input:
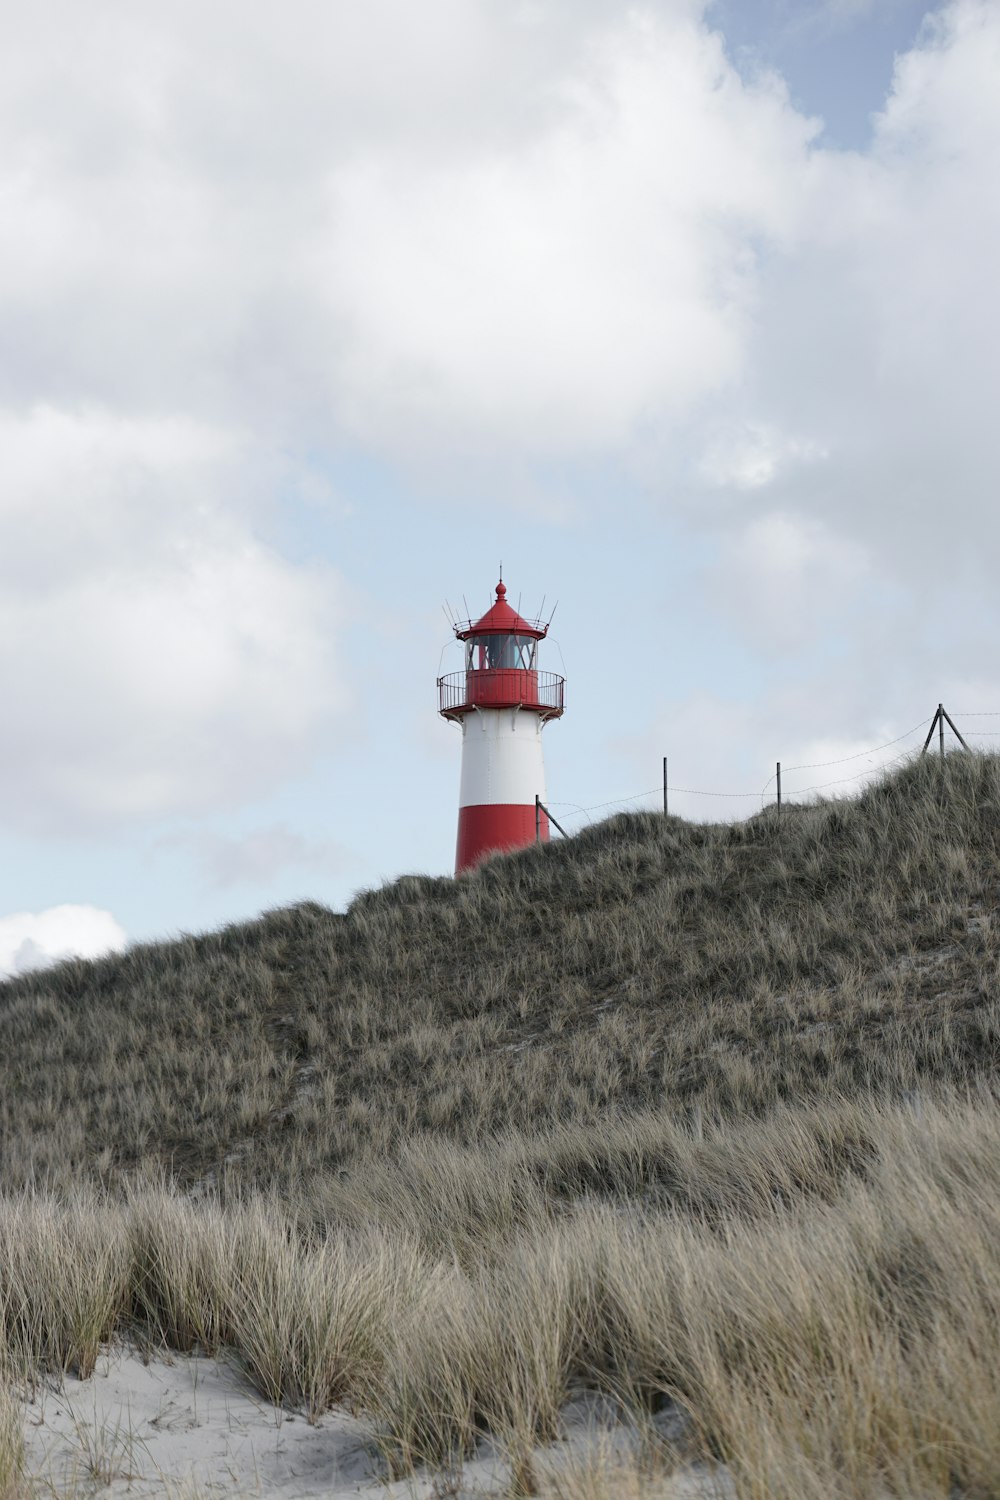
(502, 774)
(493, 828)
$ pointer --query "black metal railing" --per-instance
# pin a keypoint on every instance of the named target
(500, 687)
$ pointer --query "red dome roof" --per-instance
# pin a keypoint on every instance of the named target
(500, 619)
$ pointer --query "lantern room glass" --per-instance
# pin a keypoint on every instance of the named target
(486, 653)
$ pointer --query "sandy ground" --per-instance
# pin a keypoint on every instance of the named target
(193, 1428)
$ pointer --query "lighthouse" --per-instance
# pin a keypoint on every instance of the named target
(502, 702)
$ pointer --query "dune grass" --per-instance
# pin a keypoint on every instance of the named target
(713, 969)
(700, 1118)
(839, 1341)
(11, 1438)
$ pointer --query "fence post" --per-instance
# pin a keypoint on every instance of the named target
(539, 809)
(946, 715)
(664, 786)
(938, 723)
(779, 785)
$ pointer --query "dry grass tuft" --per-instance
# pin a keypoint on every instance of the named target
(11, 1441)
(64, 1271)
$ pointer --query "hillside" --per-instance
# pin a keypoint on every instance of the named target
(696, 1123)
(704, 972)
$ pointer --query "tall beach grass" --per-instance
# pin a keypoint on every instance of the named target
(827, 1341)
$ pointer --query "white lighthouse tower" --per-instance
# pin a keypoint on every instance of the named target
(502, 702)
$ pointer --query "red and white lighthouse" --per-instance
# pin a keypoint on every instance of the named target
(502, 702)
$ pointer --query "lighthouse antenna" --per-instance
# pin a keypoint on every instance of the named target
(446, 607)
(468, 611)
(541, 607)
(553, 614)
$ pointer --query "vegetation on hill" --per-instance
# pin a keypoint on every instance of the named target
(701, 1117)
(707, 972)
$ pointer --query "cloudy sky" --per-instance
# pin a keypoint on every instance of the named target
(310, 313)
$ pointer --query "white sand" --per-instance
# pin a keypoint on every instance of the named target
(193, 1427)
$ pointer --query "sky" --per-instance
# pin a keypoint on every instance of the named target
(312, 314)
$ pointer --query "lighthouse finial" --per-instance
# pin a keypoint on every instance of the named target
(501, 586)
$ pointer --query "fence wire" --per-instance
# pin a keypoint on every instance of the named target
(691, 791)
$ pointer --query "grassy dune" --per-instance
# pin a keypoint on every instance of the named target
(703, 1115)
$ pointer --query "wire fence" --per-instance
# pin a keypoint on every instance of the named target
(665, 787)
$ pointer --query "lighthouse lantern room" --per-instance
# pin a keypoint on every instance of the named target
(502, 700)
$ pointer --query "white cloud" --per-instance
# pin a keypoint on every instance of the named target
(864, 418)
(561, 292)
(154, 656)
(33, 940)
(166, 690)
(541, 228)
(752, 456)
(90, 488)
(782, 579)
(529, 225)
